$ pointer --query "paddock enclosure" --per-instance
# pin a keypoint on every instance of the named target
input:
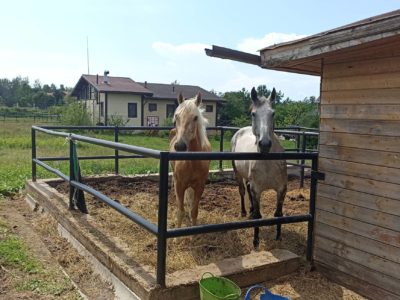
(130, 227)
(357, 232)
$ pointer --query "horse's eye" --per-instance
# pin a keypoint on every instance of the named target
(253, 114)
(273, 114)
(195, 118)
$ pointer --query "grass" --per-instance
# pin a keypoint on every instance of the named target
(26, 273)
(15, 154)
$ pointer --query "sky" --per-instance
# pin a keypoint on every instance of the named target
(163, 41)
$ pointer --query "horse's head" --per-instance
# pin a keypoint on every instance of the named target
(189, 123)
(262, 120)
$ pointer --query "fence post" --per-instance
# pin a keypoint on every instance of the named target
(162, 219)
(116, 139)
(71, 172)
(221, 145)
(303, 150)
(313, 192)
(33, 136)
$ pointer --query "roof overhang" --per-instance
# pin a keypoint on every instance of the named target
(305, 55)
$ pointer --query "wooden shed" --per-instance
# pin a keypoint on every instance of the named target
(357, 228)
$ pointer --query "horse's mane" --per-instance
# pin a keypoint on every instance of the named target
(202, 122)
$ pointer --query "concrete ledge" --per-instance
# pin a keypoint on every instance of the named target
(135, 281)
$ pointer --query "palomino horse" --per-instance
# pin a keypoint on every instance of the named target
(259, 175)
(189, 176)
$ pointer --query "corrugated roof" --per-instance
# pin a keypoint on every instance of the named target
(171, 91)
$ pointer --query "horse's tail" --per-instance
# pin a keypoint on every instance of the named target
(189, 197)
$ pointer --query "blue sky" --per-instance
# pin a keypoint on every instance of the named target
(163, 41)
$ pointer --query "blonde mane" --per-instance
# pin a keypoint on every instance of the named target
(189, 105)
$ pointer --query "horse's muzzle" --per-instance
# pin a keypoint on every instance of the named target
(264, 146)
(180, 146)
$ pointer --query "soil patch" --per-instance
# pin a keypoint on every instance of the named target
(220, 203)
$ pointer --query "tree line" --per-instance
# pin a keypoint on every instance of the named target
(18, 92)
(235, 110)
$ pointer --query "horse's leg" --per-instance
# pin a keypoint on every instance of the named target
(180, 194)
(242, 190)
(195, 204)
(256, 214)
(280, 197)
(250, 197)
(242, 193)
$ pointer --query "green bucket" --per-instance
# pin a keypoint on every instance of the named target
(218, 288)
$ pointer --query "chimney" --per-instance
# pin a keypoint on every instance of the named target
(173, 88)
(105, 79)
(145, 84)
(97, 79)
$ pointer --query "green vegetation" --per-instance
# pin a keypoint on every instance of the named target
(15, 151)
(27, 272)
(18, 92)
(235, 111)
(75, 114)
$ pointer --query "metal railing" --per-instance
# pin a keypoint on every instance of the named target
(161, 230)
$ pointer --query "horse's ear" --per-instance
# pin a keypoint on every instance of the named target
(198, 99)
(254, 96)
(272, 96)
(180, 98)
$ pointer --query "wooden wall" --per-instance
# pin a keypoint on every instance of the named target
(357, 231)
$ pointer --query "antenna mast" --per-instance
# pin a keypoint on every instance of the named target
(87, 53)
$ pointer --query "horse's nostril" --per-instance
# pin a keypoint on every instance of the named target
(180, 146)
(264, 146)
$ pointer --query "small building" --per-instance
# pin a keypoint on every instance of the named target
(357, 225)
(137, 104)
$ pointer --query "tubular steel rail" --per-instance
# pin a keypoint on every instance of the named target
(161, 230)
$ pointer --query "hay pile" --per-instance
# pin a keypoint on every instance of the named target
(220, 203)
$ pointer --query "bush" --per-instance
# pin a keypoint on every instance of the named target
(75, 114)
(116, 120)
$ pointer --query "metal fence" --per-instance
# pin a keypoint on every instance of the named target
(161, 230)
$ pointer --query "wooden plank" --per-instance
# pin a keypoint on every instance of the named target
(362, 112)
(374, 81)
(370, 66)
(383, 235)
(368, 142)
(372, 50)
(354, 283)
(374, 96)
(373, 157)
(358, 242)
(359, 213)
(367, 171)
(373, 127)
(378, 188)
(386, 205)
(371, 276)
(326, 43)
(358, 256)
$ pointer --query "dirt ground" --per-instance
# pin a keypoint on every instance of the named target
(220, 203)
(61, 262)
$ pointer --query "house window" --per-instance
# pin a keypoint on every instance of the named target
(132, 110)
(152, 106)
(152, 121)
(101, 109)
(170, 110)
(209, 108)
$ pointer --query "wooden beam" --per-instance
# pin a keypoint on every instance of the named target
(322, 44)
(226, 53)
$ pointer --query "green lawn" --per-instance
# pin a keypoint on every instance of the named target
(15, 154)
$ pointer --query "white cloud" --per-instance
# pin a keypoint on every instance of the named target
(252, 45)
(188, 64)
